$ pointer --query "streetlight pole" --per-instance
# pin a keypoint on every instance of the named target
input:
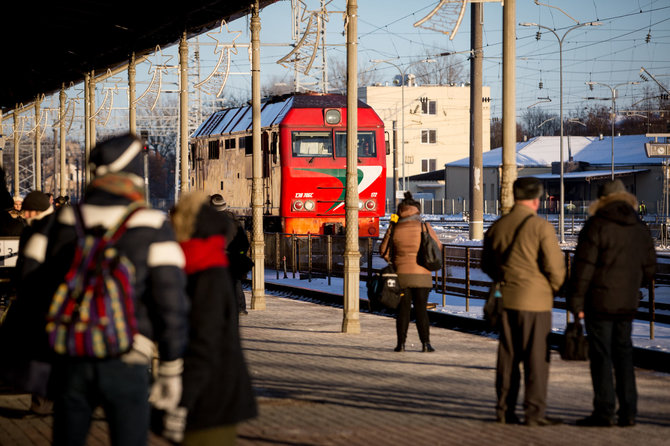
(561, 218)
(402, 106)
(613, 114)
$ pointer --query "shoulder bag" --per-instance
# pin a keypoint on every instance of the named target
(430, 252)
(383, 287)
(493, 308)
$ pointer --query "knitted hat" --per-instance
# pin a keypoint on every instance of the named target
(610, 187)
(217, 202)
(36, 201)
(118, 154)
(527, 188)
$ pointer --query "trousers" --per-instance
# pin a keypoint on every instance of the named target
(418, 297)
(611, 347)
(82, 385)
(523, 339)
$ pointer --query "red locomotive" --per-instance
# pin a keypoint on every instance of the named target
(303, 145)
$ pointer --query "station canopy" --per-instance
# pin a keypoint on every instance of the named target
(48, 44)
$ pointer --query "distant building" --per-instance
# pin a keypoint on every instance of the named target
(588, 163)
(437, 125)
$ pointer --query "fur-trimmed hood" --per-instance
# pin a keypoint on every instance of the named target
(185, 214)
(618, 206)
(193, 217)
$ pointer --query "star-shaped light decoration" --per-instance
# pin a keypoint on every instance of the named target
(224, 50)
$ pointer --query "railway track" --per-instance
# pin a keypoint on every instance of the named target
(643, 358)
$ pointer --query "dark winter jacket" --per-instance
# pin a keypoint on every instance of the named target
(400, 247)
(615, 256)
(216, 383)
(161, 307)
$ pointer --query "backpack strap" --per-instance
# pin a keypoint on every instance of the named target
(511, 245)
(115, 231)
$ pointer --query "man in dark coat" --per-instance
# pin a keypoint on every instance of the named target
(615, 256)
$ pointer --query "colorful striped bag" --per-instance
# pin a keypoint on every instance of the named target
(92, 313)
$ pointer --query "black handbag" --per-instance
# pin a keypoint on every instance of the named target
(574, 346)
(383, 289)
(493, 308)
(430, 252)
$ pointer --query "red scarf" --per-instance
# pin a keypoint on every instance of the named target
(204, 253)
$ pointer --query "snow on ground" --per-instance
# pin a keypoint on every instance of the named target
(456, 305)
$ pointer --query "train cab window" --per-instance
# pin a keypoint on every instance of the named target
(366, 144)
(312, 144)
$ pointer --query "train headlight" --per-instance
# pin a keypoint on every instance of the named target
(333, 116)
(298, 205)
(309, 205)
(360, 205)
(370, 205)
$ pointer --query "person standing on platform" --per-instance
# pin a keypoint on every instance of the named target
(399, 248)
(217, 386)
(120, 384)
(531, 276)
(237, 245)
(615, 256)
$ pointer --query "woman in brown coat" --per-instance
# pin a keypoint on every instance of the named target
(400, 247)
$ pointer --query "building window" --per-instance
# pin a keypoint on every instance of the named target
(428, 165)
(428, 136)
(428, 107)
(230, 143)
(213, 150)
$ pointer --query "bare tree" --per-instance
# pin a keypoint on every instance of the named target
(276, 86)
(538, 122)
(337, 75)
(445, 70)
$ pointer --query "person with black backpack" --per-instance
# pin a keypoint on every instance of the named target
(104, 334)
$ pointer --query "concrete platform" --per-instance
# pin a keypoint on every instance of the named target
(318, 386)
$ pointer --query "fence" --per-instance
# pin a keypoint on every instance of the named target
(321, 256)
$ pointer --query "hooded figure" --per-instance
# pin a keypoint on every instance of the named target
(217, 388)
(615, 256)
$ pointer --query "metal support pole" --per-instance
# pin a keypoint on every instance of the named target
(38, 145)
(183, 114)
(91, 129)
(395, 166)
(17, 142)
(132, 109)
(476, 223)
(351, 322)
(509, 104)
(257, 242)
(63, 150)
(2, 145)
(87, 123)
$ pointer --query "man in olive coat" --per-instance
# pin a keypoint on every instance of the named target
(615, 256)
(530, 275)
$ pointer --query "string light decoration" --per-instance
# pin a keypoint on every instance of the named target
(225, 51)
(156, 84)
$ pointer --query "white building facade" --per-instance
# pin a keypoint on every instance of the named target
(436, 121)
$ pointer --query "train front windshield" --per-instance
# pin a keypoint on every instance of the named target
(366, 144)
(310, 144)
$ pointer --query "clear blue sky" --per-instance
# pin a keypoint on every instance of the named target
(612, 53)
